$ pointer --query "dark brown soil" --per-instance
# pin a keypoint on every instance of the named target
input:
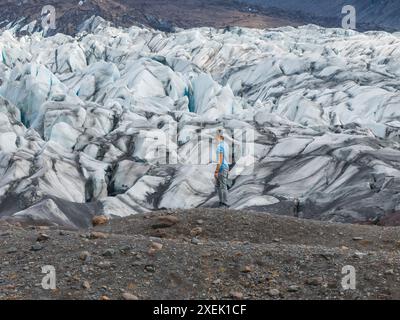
(203, 254)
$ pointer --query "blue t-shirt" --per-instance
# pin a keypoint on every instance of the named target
(224, 149)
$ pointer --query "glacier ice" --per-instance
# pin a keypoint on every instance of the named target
(120, 121)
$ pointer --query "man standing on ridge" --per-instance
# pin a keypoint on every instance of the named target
(221, 173)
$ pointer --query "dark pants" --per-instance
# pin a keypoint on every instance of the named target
(222, 187)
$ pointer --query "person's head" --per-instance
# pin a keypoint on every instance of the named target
(220, 135)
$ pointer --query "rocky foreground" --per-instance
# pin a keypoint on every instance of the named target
(202, 254)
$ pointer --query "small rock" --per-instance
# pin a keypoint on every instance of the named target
(236, 295)
(124, 249)
(150, 268)
(359, 255)
(109, 253)
(344, 248)
(12, 250)
(156, 246)
(169, 218)
(86, 285)
(314, 281)
(84, 255)
(196, 241)
(104, 298)
(217, 282)
(358, 238)
(273, 292)
(293, 288)
(129, 296)
(200, 222)
(166, 222)
(97, 235)
(100, 220)
(42, 237)
(196, 231)
(247, 269)
(36, 247)
(159, 233)
(389, 272)
(326, 256)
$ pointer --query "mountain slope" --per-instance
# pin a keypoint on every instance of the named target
(371, 14)
(159, 14)
(167, 15)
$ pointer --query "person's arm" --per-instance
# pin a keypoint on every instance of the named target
(219, 164)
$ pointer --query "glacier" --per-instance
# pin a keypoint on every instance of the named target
(87, 121)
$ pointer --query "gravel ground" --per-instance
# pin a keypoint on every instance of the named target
(201, 254)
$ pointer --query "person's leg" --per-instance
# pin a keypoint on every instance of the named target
(224, 187)
(220, 196)
(219, 190)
